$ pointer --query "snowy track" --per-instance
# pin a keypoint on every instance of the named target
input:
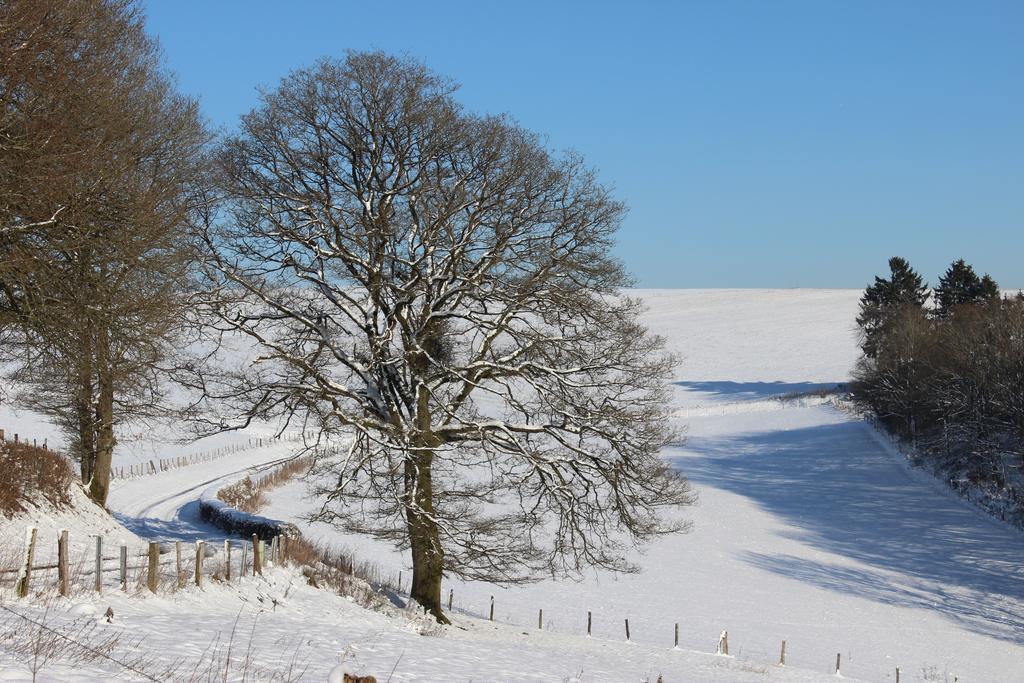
(165, 506)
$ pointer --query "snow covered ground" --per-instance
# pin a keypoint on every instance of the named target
(282, 623)
(810, 528)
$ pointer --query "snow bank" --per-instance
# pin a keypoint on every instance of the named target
(81, 517)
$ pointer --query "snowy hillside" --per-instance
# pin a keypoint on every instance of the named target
(809, 529)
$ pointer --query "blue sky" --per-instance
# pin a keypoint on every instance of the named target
(757, 144)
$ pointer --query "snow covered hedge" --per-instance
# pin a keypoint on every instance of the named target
(222, 515)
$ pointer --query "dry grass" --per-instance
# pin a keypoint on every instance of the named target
(322, 566)
(338, 571)
(243, 495)
(31, 473)
(248, 496)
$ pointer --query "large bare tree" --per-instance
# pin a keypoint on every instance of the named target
(99, 152)
(431, 295)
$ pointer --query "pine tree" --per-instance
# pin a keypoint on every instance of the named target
(961, 286)
(884, 298)
(989, 288)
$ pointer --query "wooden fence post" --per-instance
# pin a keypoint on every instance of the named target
(782, 654)
(897, 674)
(590, 618)
(675, 643)
(257, 561)
(227, 560)
(837, 664)
(154, 566)
(177, 564)
(241, 565)
(627, 629)
(25, 575)
(62, 563)
(99, 564)
(540, 619)
(199, 563)
(124, 567)
(492, 609)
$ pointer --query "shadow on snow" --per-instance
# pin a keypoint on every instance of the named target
(757, 390)
(838, 491)
(185, 526)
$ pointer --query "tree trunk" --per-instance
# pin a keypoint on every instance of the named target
(424, 533)
(84, 410)
(424, 537)
(99, 483)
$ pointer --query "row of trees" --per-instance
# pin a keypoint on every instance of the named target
(946, 368)
(96, 150)
(428, 292)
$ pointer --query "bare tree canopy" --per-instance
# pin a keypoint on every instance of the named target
(432, 295)
(98, 151)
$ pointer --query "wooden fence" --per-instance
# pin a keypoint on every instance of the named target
(18, 439)
(721, 646)
(158, 465)
(98, 565)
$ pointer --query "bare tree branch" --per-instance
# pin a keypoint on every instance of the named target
(433, 293)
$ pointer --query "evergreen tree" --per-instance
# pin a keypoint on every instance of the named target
(989, 288)
(882, 300)
(961, 286)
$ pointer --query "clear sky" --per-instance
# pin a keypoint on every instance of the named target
(757, 144)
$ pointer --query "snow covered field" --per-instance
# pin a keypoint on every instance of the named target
(809, 528)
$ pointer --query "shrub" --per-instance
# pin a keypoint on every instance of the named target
(29, 474)
(247, 494)
(243, 495)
